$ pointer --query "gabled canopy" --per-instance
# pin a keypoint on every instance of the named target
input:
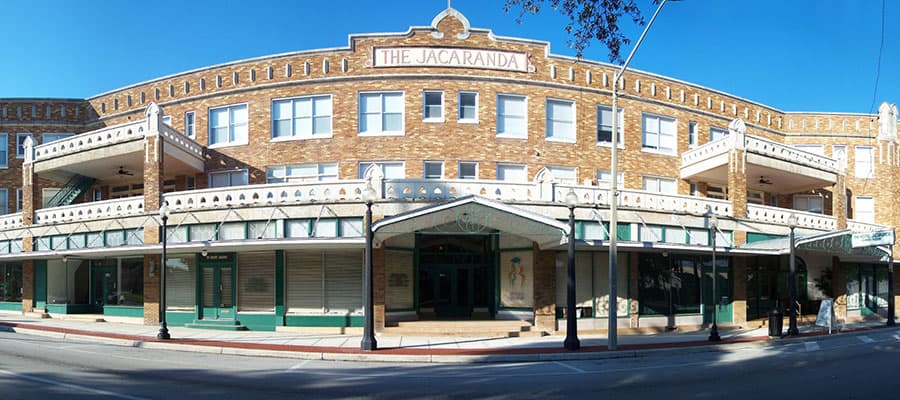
(474, 214)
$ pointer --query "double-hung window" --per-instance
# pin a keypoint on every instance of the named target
(189, 124)
(604, 178)
(564, 175)
(561, 120)
(228, 178)
(865, 162)
(433, 110)
(4, 152)
(228, 125)
(4, 201)
(468, 170)
(659, 134)
(512, 116)
(302, 117)
(717, 133)
(433, 170)
(692, 134)
(20, 143)
(381, 113)
(302, 173)
(468, 107)
(660, 185)
(865, 209)
(511, 173)
(391, 169)
(604, 125)
(839, 153)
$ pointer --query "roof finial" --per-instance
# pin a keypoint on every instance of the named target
(448, 4)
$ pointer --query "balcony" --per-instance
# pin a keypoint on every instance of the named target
(770, 166)
(105, 153)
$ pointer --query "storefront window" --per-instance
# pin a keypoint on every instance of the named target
(668, 285)
(131, 292)
(11, 282)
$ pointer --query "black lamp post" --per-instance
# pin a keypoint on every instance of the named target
(890, 318)
(571, 342)
(714, 332)
(163, 327)
(368, 340)
(792, 284)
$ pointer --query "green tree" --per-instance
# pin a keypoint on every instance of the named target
(589, 20)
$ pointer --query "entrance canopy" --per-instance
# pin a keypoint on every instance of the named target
(837, 242)
(474, 214)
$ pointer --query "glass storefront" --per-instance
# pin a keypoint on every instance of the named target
(675, 284)
(767, 286)
(11, 282)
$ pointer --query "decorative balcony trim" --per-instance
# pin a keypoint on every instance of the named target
(777, 215)
(115, 208)
(91, 140)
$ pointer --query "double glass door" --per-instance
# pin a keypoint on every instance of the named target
(451, 289)
(104, 284)
(217, 291)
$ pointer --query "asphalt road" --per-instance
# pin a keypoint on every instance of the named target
(847, 366)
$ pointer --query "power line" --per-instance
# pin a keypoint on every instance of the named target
(878, 66)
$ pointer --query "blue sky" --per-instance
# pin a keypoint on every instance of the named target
(795, 55)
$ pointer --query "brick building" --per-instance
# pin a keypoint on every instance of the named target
(471, 143)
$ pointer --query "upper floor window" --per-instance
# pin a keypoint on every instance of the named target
(564, 175)
(228, 125)
(468, 107)
(604, 178)
(865, 209)
(381, 113)
(865, 162)
(512, 116)
(692, 134)
(809, 203)
(19, 199)
(4, 201)
(717, 133)
(52, 137)
(228, 178)
(660, 185)
(433, 170)
(391, 169)
(604, 125)
(20, 144)
(468, 170)
(659, 134)
(302, 173)
(302, 117)
(717, 192)
(4, 152)
(561, 120)
(434, 106)
(839, 153)
(189, 124)
(511, 173)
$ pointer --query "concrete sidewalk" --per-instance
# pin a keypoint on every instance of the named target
(402, 348)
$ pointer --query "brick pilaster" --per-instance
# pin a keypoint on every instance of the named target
(27, 286)
(378, 287)
(739, 289)
(153, 186)
(29, 199)
(737, 183)
(839, 286)
(545, 289)
(839, 202)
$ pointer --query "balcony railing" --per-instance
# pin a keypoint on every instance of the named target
(761, 146)
(261, 195)
(777, 215)
(91, 140)
(857, 226)
(181, 141)
(115, 208)
(10, 221)
(433, 189)
(651, 201)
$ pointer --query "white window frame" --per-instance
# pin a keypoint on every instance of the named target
(564, 135)
(604, 178)
(658, 182)
(523, 167)
(381, 164)
(717, 192)
(842, 160)
(232, 140)
(20, 143)
(620, 127)
(693, 136)
(564, 175)
(645, 134)
(715, 131)
(4, 152)
(190, 129)
(505, 133)
(230, 172)
(459, 169)
(425, 117)
(381, 131)
(861, 172)
(867, 216)
(425, 165)
(293, 134)
(807, 198)
(321, 174)
(459, 113)
(19, 199)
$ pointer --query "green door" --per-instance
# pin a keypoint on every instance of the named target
(104, 290)
(217, 291)
(453, 288)
(40, 283)
(722, 302)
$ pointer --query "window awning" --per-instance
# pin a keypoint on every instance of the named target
(472, 215)
(836, 242)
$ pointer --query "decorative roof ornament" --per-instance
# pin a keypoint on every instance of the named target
(887, 121)
(450, 12)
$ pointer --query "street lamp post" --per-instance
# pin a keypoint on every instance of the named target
(890, 318)
(163, 327)
(714, 332)
(571, 342)
(368, 340)
(792, 284)
(612, 337)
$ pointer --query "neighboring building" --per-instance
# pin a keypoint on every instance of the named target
(471, 142)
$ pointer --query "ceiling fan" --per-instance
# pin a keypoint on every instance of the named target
(123, 171)
(764, 181)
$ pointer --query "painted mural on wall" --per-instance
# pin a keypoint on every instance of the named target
(516, 279)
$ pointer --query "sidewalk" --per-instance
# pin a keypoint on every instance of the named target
(402, 348)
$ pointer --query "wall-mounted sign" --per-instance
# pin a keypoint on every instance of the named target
(454, 57)
(878, 238)
(218, 257)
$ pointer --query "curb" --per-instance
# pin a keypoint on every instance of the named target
(440, 356)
